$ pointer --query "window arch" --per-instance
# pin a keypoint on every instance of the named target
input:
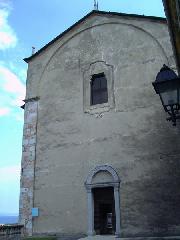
(102, 72)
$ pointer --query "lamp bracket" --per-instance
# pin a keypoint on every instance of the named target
(174, 115)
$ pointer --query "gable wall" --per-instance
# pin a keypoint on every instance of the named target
(131, 135)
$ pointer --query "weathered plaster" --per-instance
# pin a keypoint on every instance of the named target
(156, 30)
(132, 136)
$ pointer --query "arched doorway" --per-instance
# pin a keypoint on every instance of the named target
(102, 186)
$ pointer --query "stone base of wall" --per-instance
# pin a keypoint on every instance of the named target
(112, 237)
(153, 238)
(11, 231)
(61, 236)
(81, 236)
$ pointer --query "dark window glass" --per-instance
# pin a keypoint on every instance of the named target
(99, 92)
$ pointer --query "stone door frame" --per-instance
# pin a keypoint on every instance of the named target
(90, 199)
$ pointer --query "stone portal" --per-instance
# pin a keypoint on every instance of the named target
(103, 201)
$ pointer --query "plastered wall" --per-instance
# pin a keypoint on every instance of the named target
(131, 135)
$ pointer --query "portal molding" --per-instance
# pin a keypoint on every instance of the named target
(115, 183)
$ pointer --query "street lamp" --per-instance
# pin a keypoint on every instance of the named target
(167, 85)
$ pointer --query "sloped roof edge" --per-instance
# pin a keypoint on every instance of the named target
(161, 19)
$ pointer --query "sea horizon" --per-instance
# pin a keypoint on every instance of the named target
(8, 219)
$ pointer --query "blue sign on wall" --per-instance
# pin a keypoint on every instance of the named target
(35, 212)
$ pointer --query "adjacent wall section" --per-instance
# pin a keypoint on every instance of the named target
(28, 164)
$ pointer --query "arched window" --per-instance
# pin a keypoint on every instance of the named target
(99, 91)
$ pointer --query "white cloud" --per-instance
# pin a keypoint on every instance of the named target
(6, 4)
(9, 173)
(4, 111)
(12, 94)
(12, 78)
(8, 37)
(11, 84)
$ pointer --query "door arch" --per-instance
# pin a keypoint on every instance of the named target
(103, 176)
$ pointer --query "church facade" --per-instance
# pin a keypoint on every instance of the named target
(98, 156)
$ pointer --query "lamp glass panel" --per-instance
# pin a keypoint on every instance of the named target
(170, 97)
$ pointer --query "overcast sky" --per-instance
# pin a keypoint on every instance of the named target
(23, 24)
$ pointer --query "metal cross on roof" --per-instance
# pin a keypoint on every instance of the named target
(95, 5)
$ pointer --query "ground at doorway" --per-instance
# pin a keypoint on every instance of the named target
(100, 237)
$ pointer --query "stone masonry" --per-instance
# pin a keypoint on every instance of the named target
(28, 163)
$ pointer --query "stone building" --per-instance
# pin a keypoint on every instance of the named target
(98, 156)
